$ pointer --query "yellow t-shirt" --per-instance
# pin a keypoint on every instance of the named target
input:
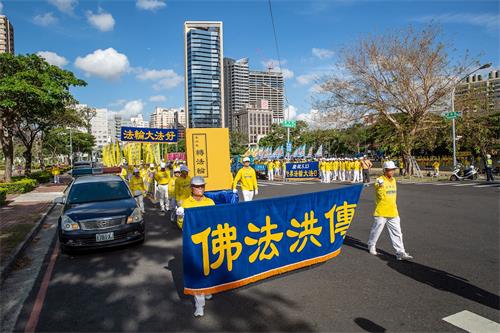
(182, 189)
(335, 165)
(276, 165)
(435, 165)
(247, 177)
(55, 171)
(322, 166)
(357, 165)
(123, 173)
(171, 186)
(328, 166)
(137, 184)
(191, 203)
(162, 177)
(143, 172)
(270, 166)
(385, 198)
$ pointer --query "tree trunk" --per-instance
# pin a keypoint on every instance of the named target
(8, 152)
(28, 156)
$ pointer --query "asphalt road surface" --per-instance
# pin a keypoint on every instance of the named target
(452, 231)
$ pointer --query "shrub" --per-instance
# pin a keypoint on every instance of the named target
(20, 186)
(41, 176)
(3, 195)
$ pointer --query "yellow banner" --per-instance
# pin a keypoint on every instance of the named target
(207, 154)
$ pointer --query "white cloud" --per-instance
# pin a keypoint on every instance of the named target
(65, 6)
(165, 78)
(322, 53)
(131, 108)
(45, 19)
(157, 98)
(150, 4)
(107, 64)
(118, 103)
(53, 58)
(306, 79)
(486, 20)
(273, 66)
(101, 20)
(290, 112)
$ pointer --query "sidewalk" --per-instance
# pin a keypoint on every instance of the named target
(22, 213)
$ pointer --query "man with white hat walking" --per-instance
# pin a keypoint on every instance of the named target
(248, 179)
(162, 178)
(386, 212)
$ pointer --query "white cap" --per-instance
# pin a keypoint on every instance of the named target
(136, 170)
(177, 170)
(151, 165)
(488, 155)
(197, 180)
(184, 168)
(162, 165)
(389, 165)
(246, 159)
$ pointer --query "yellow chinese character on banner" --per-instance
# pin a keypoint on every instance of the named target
(128, 134)
(159, 136)
(224, 244)
(139, 135)
(149, 135)
(345, 214)
(169, 136)
(267, 240)
(308, 232)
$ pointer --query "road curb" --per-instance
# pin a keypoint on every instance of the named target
(11, 259)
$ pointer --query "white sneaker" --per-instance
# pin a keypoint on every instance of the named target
(208, 297)
(199, 311)
(403, 256)
(372, 250)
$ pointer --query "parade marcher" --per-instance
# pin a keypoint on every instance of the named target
(248, 179)
(322, 170)
(171, 187)
(356, 171)
(335, 169)
(56, 171)
(196, 199)
(162, 179)
(149, 179)
(435, 167)
(182, 186)
(137, 186)
(342, 169)
(386, 212)
(123, 172)
(366, 164)
(488, 167)
(270, 170)
(283, 166)
(328, 171)
(277, 168)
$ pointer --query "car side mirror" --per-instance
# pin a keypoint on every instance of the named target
(60, 200)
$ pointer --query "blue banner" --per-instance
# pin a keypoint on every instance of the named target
(260, 167)
(302, 170)
(139, 134)
(232, 245)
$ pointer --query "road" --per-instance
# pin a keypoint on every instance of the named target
(452, 231)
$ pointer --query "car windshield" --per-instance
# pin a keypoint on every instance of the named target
(98, 191)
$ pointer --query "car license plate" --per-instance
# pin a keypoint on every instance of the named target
(105, 237)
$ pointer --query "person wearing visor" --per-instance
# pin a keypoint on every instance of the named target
(136, 184)
(182, 186)
(162, 179)
(171, 189)
(386, 212)
(248, 179)
(196, 199)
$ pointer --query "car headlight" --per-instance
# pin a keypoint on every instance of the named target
(67, 224)
(135, 217)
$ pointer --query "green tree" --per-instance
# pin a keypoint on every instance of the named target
(34, 98)
(238, 143)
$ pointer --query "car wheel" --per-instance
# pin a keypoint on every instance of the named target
(453, 178)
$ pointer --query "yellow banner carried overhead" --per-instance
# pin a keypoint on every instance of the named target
(207, 154)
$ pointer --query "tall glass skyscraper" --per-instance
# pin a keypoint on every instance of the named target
(204, 79)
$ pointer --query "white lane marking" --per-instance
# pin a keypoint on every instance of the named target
(441, 184)
(270, 183)
(466, 184)
(488, 185)
(472, 322)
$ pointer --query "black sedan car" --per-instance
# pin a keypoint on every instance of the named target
(99, 211)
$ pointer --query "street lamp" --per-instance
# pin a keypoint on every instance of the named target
(287, 112)
(453, 110)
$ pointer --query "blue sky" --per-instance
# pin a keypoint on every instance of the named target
(131, 51)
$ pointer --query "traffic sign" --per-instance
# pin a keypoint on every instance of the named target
(289, 123)
(452, 115)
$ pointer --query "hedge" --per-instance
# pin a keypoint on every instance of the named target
(3, 195)
(41, 176)
(20, 186)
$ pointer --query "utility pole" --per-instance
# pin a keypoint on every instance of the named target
(70, 148)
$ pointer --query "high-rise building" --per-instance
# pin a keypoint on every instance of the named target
(267, 85)
(6, 35)
(204, 79)
(236, 88)
(163, 118)
(479, 93)
(138, 121)
(99, 126)
(253, 122)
